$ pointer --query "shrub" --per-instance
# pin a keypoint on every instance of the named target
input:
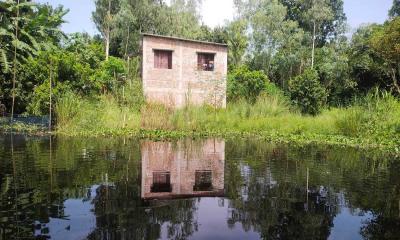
(110, 74)
(40, 99)
(307, 92)
(243, 83)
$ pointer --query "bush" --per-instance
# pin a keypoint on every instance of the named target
(243, 83)
(110, 74)
(307, 93)
(40, 99)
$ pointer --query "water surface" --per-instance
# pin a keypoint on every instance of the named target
(98, 188)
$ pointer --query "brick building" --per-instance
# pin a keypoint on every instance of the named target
(183, 169)
(177, 71)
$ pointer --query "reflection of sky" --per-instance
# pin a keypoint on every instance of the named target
(346, 224)
(212, 218)
(80, 220)
(211, 215)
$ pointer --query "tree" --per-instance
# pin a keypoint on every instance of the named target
(364, 62)
(319, 12)
(269, 30)
(103, 17)
(307, 93)
(184, 18)
(218, 34)
(237, 41)
(16, 23)
(243, 83)
(386, 42)
(395, 10)
(130, 18)
(327, 29)
(292, 57)
(335, 73)
(25, 29)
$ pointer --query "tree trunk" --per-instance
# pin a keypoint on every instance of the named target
(50, 91)
(129, 72)
(395, 84)
(107, 37)
(127, 43)
(107, 44)
(15, 65)
(313, 46)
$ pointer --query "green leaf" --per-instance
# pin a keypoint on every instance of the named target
(4, 61)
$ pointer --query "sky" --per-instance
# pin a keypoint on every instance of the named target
(216, 12)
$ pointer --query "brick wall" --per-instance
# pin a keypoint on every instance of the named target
(184, 83)
(182, 160)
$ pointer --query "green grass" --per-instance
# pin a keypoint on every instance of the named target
(97, 116)
(371, 121)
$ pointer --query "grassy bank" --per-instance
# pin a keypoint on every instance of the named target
(372, 121)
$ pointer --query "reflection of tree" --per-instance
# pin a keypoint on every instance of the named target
(35, 181)
(265, 184)
(179, 217)
(281, 212)
(381, 227)
(382, 199)
(277, 210)
(126, 216)
(37, 185)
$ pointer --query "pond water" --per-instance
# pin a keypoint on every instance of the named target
(98, 188)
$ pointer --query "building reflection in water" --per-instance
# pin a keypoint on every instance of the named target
(181, 170)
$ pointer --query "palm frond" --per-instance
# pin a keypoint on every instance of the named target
(5, 65)
(32, 40)
(4, 32)
(22, 46)
(5, 186)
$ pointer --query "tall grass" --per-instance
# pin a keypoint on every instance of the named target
(349, 121)
(376, 117)
(67, 108)
(101, 115)
(267, 114)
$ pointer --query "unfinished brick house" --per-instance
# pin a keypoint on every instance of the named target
(172, 171)
(177, 72)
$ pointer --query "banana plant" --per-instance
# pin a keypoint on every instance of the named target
(25, 29)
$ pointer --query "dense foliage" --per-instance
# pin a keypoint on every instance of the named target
(243, 83)
(25, 30)
(307, 92)
(395, 10)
